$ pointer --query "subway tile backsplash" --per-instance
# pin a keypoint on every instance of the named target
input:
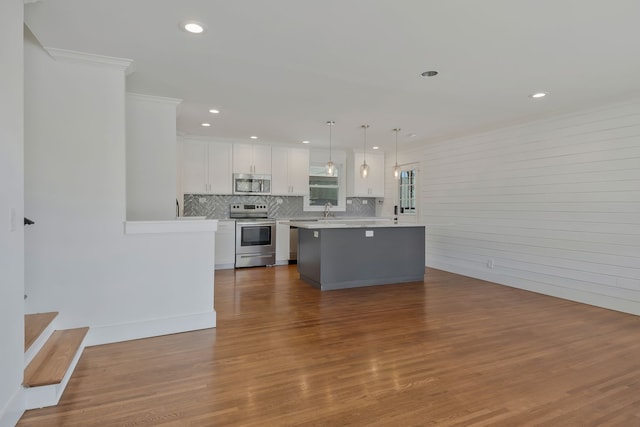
(217, 207)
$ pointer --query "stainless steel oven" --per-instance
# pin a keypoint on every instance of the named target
(255, 235)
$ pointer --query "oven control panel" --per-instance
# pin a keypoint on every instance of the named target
(246, 210)
(248, 207)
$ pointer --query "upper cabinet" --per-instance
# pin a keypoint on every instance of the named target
(290, 171)
(206, 167)
(372, 185)
(252, 158)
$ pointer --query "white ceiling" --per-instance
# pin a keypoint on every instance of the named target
(280, 69)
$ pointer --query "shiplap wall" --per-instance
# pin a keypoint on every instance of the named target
(551, 206)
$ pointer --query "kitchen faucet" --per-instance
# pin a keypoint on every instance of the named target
(327, 207)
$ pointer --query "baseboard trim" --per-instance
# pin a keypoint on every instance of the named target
(13, 410)
(150, 328)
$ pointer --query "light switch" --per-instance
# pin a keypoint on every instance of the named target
(365, 202)
(368, 233)
(316, 234)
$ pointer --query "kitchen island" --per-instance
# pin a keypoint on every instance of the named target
(337, 255)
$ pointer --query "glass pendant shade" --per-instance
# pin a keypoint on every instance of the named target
(364, 170)
(330, 168)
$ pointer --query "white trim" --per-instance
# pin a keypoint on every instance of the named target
(170, 226)
(150, 328)
(89, 58)
(230, 266)
(39, 342)
(151, 98)
(13, 410)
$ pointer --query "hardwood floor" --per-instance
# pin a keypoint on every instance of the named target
(451, 351)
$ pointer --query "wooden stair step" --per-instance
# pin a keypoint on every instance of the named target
(34, 325)
(52, 362)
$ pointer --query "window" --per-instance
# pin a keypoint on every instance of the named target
(407, 190)
(323, 189)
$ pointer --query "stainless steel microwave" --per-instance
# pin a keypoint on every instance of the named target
(244, 183)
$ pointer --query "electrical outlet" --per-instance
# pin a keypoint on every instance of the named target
(490, 264)
(365, 202)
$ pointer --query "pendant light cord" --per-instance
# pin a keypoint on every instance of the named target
(330, 129)
(364, 153)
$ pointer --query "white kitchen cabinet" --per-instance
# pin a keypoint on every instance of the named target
(372, 185)
(252, 158)
(225, 253)
(206, 167)
(290, 171)
(282, 242)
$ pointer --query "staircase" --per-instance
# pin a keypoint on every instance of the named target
(50, 357)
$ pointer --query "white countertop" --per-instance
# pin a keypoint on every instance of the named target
(333, 223)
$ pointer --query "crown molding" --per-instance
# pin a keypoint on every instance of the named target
(153, 98)
(89, 58)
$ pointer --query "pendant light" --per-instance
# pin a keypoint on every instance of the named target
(396, 168)
(330, 167)
(364, 167)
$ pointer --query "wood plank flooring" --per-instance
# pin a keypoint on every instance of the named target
(52, 362)
(449, 351)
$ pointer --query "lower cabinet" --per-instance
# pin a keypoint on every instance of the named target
(225, 253)
(282, 242)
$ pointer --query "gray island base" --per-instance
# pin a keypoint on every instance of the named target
(347, 257)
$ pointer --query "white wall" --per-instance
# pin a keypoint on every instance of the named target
(554, 204)
(79, 260)
(151, 157)
(11, 213)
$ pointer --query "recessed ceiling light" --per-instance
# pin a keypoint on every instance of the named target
(305, 142)
(193, 27)
(411, 135)
(212, 111)
(429, 73)
(253, 137)
(206, 124)
(538, 95)
(375, 148)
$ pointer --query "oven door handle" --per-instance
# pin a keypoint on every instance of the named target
(255, 223)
